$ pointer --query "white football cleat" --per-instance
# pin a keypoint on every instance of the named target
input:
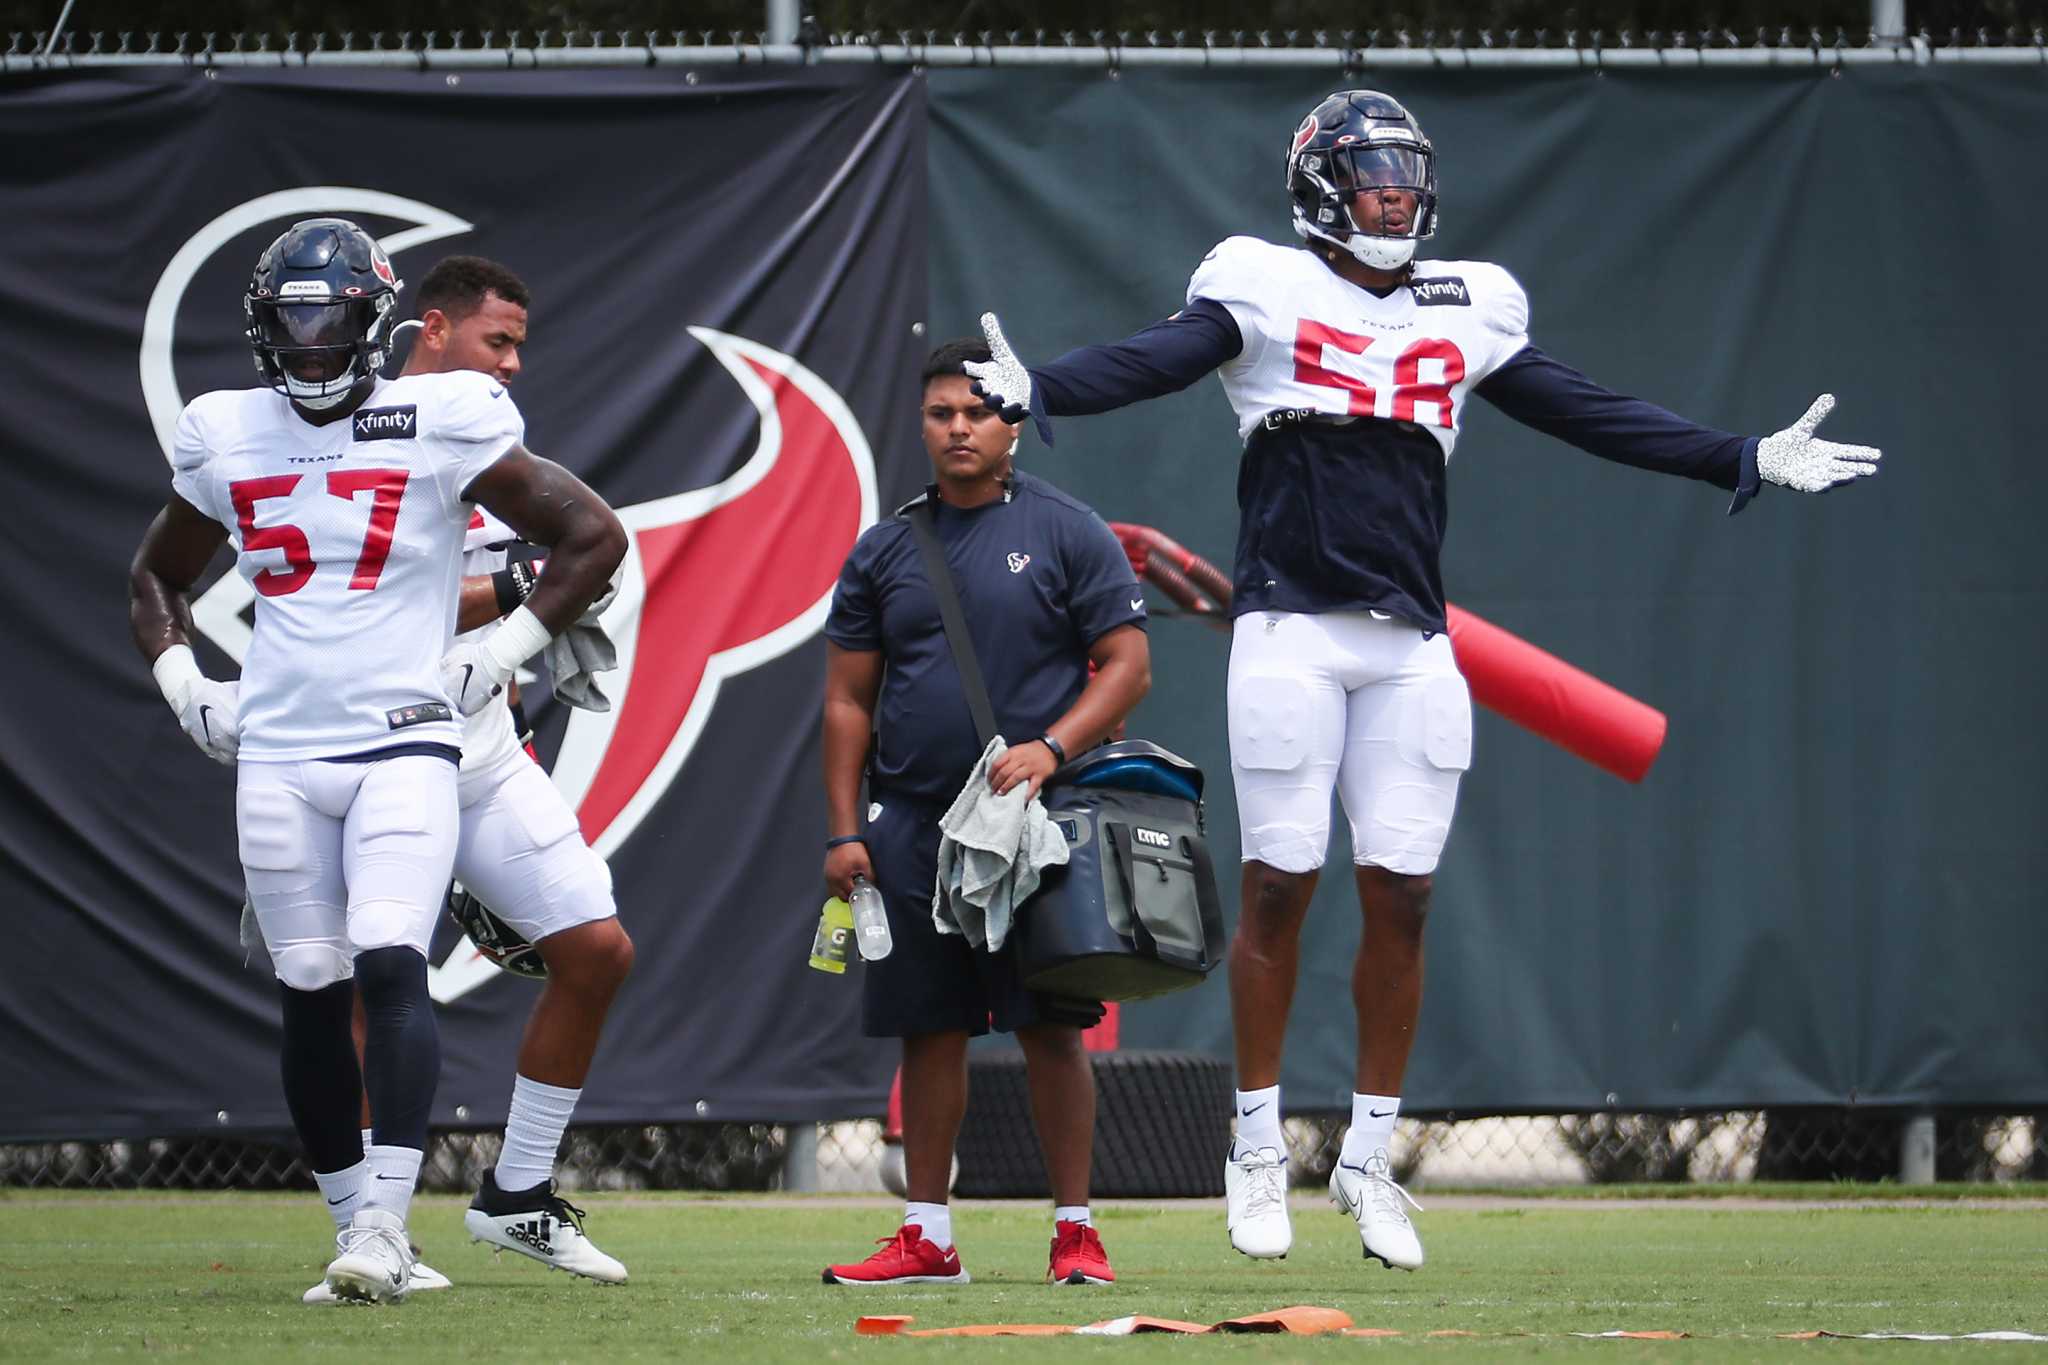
(1368, 1193)
(424, 1277)
(1255, 1187)
(375, 1264)
(541, 1224)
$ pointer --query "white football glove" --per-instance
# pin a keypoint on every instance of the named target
(474, 671)
(1795, 459)
(208, 711)
(1001, 381)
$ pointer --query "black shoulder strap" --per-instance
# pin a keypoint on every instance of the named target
(919, 515)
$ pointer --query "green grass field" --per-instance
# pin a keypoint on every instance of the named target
(218, 1277)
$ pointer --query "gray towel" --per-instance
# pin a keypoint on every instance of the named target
(578, 654)
(992, 850)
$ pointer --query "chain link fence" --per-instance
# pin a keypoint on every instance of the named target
(850, 1156)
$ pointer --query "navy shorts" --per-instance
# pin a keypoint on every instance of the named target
(933, 982)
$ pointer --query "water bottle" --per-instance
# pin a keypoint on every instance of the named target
(870, 921)
(835, 927)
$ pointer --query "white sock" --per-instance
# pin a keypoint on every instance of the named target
(393, 1173)
(368, 1138)
(1372, 1126)
(343, 1191)
(1073, 1213)
(934, 1220)
(533, 1132)
(1258, 1121)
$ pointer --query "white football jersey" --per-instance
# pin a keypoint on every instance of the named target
(489, 735)
(351, 535)
(1315, 342)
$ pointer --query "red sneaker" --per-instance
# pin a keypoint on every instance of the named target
(906, 1258)
(1078, 1257)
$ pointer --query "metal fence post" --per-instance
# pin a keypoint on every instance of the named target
(1916, 1151)
(800, 1165)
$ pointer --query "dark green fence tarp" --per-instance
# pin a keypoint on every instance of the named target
(1829, 889)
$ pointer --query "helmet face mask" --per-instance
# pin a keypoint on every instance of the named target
(1359, 141)
(319, 310)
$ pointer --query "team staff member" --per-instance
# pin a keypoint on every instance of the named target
(1046, 591)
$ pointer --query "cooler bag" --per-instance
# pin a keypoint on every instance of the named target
(1134, 913)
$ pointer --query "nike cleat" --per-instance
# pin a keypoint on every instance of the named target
(1255, 1189)
(906, 1258)
(375, 1261)
(541, 1224)
(424, 1278)
(1368, 1193)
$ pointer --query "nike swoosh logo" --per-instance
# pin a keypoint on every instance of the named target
(337, 1203)
(205, 724)
(391, 1177)
(1137, 604)
(1379, 1113)
(497, 393)
(467, 669)
(1247, 1113)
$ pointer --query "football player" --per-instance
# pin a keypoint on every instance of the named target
(346, 497)
(1349, 363)
(520, 851)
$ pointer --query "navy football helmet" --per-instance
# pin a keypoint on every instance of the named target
(319, 311)
(492, 937)
(1360, 140)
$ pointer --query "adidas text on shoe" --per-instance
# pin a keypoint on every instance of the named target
(541, 1224)
(374, 1264)
(1078, 1257)
(904, 1258)
(1255, 1188)
(1368, 1194)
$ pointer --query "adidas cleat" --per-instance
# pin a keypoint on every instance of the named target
(541, 1224)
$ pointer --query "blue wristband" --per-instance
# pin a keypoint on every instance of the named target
(838, 839)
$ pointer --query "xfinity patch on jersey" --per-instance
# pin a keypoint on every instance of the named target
(1444, 289)
(387, 424)
(402, 716)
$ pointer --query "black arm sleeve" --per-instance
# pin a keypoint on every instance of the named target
(1163, 358)
(1556, 399)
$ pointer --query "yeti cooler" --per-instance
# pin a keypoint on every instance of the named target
(1134, 913)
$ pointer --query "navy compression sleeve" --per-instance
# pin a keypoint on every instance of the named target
(1556, 399)
(1163, 358)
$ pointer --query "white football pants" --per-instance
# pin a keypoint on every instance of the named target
(1349, 701)
(522, 854)
(341, 858)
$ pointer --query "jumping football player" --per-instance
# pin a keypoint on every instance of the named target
(1349, 364)
(347, 497)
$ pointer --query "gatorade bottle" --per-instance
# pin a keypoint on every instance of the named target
(829, 950)
(870, 921)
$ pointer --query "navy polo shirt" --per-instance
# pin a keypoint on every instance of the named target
(1041, 578)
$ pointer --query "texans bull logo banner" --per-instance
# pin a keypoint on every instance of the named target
(725, 334)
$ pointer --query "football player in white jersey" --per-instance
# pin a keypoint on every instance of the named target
(520, 851)
(346, 497)
(1349, 364)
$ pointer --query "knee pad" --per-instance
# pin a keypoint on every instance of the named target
(387, 924)
(311, 966)
(1285, 848)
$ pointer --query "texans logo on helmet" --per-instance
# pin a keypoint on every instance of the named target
(1306, 131)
